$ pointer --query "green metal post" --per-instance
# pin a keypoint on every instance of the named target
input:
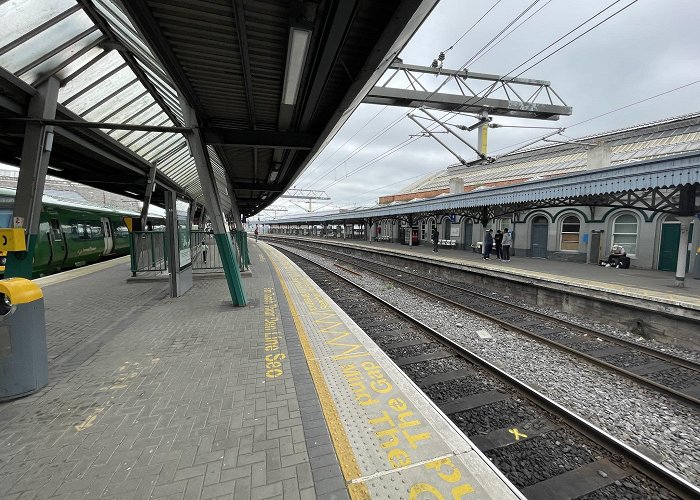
(20, 264)
(232, 274)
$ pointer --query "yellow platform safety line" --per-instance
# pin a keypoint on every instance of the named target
(346, 457)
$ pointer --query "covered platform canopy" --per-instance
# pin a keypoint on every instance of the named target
(269, 83)
(218, 103)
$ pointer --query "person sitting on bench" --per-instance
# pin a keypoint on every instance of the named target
(616, 257)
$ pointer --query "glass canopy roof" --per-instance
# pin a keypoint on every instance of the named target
(107, 75)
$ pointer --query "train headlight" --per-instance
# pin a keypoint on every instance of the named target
(5, 304)
(3, 260)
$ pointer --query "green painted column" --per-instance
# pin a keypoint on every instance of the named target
(20, 264)
(233, 276)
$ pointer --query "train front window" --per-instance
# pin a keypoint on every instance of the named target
(5, 217)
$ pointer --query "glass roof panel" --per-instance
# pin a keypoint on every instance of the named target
(160, 147)
(81, 61)
(147, 116)
(138, 144)
(123, 27)
(57, 60)
(37, 46)
(21, 16)
(102, 67)
(164, 89)
(118, 82)
(122, 108)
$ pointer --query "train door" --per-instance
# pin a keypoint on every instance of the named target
(57, 244)
(108, 235)
(540, 230)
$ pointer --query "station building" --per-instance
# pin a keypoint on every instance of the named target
(579, 233)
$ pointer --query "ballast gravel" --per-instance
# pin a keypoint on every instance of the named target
(659, 427)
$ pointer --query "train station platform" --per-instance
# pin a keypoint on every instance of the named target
(155, 397)
(650, 285)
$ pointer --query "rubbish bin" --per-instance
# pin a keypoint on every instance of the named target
(24, 366)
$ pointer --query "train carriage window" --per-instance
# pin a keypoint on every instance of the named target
(97, 230)
(56, 233)
(5, 217)
(121, 232)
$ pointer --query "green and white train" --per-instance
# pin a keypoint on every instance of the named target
(70, 234)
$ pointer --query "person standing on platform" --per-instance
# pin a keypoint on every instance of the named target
(256, 232)
(435, 236)
(505, 245)
(488, 244)
(497, 238)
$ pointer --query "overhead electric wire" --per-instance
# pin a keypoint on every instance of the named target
(499, 34)
(478, 99)
(384, 108)
(600, 116)
(374, 160)
(512, 31)
(359, 149)
(472, 27)
(405, 143)
(634, 103)
(576, 38)
(348, 140)
(471, 99)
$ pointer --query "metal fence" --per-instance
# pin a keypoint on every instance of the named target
(149, 251)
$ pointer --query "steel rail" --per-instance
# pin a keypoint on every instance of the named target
(670, 480)
(683, 397)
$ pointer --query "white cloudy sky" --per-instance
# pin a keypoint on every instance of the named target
(649, 48)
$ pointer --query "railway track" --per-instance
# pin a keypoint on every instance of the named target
(544, 450)
(668, 374)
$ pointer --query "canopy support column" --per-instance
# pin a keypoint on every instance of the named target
(682, 251)
(213, 207)
(36, 151)
(150, 186)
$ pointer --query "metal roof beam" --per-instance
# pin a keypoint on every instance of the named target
(254, 186)
(242, 33)
(99, 125)
(258, 138)
(140, 14)
(467, 74)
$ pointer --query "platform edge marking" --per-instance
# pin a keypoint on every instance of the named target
(349, 466)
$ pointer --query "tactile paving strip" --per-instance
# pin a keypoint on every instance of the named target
(400, 444)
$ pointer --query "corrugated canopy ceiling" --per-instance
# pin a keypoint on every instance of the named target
(128, 65)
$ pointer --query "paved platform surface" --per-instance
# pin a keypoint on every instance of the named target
(189, 398)
(153, 397)
(641, 283)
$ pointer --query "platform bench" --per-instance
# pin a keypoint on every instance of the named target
(476, 247)
(447, 243)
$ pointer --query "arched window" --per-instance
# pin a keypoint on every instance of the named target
(570, 230)
(625, 233)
